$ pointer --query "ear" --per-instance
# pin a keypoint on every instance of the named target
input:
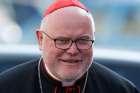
(39, 39)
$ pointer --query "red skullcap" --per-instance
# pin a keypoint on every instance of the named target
(64, 3)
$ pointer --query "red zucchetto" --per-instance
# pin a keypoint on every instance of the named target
(64, 3)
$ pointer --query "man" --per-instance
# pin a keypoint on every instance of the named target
(65, 37)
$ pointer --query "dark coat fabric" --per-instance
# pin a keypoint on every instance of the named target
(24, 79)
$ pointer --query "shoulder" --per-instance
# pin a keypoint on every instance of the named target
(110, 80)
(18, 73)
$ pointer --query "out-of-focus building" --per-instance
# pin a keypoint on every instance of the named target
(117, 21)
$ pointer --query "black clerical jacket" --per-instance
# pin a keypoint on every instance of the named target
(24, 79)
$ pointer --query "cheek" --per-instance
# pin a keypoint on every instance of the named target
(88, 56)
(50, 53)
(88, 53)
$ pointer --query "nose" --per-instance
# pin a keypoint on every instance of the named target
(73, 50)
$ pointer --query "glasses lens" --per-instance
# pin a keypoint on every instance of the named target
(62, 44)
(66, 43)
(84, 44)
(81, 44)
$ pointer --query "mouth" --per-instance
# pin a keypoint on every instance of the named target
(72, 61)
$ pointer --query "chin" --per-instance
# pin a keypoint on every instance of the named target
(71, 76)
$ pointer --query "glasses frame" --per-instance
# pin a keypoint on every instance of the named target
(72, 41)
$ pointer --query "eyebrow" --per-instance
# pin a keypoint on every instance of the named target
(62, 37)
(68, 38)
(84, 37)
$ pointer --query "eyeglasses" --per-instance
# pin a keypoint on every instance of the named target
(66, 43)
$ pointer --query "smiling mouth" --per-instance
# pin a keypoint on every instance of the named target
(71, 61)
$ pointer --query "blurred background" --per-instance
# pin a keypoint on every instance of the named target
(117, 43)
(117, 22)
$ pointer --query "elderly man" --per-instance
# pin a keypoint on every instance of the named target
(65, 37)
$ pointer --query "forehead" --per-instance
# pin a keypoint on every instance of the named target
(68, 19)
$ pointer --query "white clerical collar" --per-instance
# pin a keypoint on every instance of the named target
(68, 83)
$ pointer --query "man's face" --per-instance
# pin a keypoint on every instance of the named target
(71, 63)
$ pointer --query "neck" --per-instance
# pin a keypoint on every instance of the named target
(64, 83)
(46, 68)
